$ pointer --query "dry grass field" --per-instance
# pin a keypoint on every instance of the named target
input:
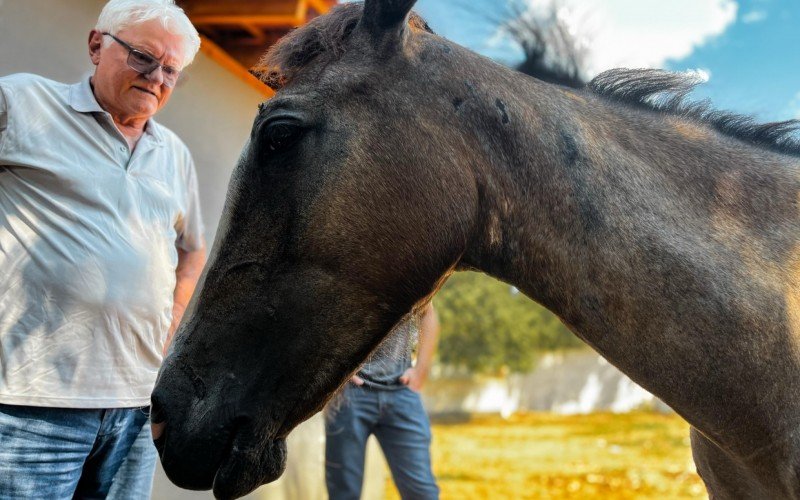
(600, 456)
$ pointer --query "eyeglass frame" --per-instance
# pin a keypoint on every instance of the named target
(156, 64)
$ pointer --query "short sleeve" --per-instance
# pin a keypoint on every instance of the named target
(3, 117)
(191, 233)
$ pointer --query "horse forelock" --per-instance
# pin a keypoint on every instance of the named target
(323, 37)
(666, 91)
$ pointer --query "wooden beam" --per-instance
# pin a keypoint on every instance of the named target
(302, 10)
(247, 55)
(258, 34)
(266, 21)
(321, 6)
(238, 7)
(222, 58)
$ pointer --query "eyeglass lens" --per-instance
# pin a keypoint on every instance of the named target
(144, 64)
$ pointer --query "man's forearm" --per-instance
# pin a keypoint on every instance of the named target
(190, 266)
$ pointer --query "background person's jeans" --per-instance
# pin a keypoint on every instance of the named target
(62, 453)
(399, 422)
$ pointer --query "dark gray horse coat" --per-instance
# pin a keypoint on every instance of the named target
(665, 235)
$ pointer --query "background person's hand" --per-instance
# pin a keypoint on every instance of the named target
(412, 379)
(357, 380)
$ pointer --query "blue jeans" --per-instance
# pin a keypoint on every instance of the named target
(62, 453)
(399, 422)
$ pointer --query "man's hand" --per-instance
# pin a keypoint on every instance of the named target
(416, 376)
(413, 379)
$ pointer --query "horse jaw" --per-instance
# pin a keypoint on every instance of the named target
(248, 466)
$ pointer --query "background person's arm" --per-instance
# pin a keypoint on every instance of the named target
(429, 327)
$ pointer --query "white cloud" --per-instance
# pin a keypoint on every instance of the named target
(643, 33)
(755, 16)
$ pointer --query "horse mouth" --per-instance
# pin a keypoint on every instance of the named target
(246, 468)
(242, 464)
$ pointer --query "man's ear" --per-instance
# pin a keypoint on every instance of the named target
(95, 46)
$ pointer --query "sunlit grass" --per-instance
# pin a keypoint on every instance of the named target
(638, 455)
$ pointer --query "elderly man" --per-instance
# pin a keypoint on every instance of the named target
(101, 245)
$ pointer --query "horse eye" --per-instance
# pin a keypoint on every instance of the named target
(281, 135)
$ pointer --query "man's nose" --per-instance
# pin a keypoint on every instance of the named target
(157, 75)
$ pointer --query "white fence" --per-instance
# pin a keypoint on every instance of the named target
(566, 383)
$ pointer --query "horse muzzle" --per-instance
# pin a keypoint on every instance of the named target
(233, 463)
(204, 445)
(247, 467)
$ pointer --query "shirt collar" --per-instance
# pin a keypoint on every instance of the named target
(82, 100)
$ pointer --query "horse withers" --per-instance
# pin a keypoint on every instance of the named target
(665, 234)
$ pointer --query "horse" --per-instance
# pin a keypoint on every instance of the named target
(663, 233)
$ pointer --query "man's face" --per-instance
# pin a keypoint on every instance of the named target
(121, 90)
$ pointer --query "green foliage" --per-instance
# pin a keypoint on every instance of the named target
(488, 326)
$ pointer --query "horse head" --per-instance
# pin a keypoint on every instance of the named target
(344, 213)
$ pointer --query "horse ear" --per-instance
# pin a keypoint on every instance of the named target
(386, 17)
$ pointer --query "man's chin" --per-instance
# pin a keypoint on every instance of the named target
(143, 103)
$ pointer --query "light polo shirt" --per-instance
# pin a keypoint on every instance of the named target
(89, 233)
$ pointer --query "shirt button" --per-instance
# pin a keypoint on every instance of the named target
(122, 148)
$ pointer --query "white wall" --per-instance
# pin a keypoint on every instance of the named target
(212, 111)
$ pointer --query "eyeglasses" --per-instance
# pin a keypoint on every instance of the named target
(146, 64)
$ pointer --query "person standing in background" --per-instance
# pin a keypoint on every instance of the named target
(383, 399)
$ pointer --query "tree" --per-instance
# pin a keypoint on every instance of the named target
(551, 52)
(489, 326)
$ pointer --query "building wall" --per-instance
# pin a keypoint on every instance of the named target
(212, 111)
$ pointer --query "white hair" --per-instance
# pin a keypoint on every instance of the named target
(118, 15)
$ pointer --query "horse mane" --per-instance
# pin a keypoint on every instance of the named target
(324, 36)
(666, 92)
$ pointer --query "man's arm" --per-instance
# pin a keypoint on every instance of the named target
(3, 116)
(190, 265)
(429, 328)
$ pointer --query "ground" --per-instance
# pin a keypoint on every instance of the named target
(640, 455)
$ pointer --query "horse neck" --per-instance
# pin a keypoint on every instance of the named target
(608, 218)
(540, 210)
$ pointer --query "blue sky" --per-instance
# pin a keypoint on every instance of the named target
(749, 48)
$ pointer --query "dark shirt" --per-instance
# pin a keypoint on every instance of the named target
(387, 363)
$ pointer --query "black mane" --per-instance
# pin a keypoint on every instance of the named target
(666, 92)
